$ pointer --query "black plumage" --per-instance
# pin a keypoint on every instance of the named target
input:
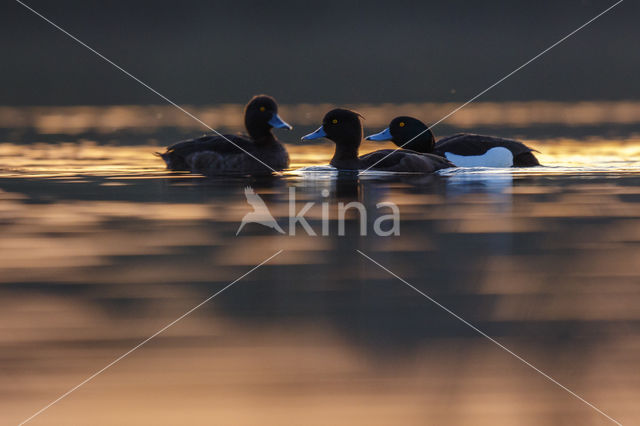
(344, 128)
(410, 133)
(259, 152)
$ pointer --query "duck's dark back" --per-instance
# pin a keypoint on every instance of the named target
(176, 155)
(471, 144)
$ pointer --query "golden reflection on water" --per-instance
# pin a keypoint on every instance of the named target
(238, 375)
(49, 160)
(212, 368)
(100, 247)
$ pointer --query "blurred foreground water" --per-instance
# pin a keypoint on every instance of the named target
(100, 247)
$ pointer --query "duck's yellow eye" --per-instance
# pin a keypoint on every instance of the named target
(262, 109)
(334, 121)
(401, 124)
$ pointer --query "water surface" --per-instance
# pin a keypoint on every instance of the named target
(101, 247)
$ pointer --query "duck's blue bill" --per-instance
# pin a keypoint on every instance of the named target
(384, 135)
(278, 123)
(315, 135)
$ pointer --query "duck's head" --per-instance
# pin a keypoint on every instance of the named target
(344, 128)
(261, 115)
(404, 131)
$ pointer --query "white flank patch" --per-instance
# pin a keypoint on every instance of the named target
(495, 157)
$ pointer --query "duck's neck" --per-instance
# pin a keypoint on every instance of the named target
(263, 138)
(423, 143)
(346, 157)
(259, 131)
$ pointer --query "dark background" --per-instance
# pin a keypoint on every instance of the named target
(207, 52)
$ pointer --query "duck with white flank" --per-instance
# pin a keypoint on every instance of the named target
(462, 149)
